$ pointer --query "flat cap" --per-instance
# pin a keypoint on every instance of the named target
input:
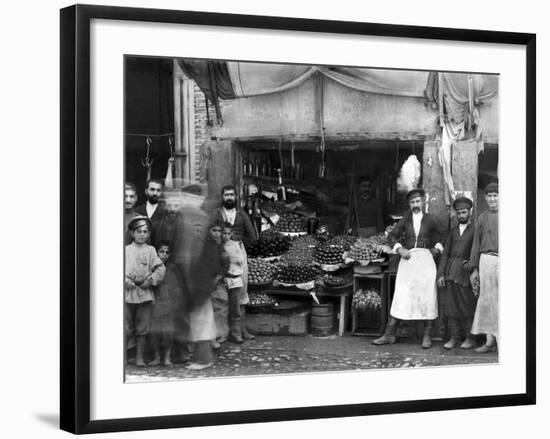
(462, 203)
(491, 188)
(139, 221)
(418, 192)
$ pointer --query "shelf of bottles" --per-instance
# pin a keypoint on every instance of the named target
(271, 169)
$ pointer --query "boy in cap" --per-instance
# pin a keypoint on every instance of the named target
(144, 270)
(484, 263)
(416, 238)
(457, 300)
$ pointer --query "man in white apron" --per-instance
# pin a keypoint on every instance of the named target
(484, 261)
(416, 238)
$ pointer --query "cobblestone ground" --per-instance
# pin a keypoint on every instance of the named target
(274, 355)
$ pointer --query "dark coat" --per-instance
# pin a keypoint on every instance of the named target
(403, 232)
(457, 250)
(243, 230)
(157, 217)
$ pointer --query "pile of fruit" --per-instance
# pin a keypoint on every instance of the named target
(366, 299)
(269, 244)
(345, 241)
(379, 239)
(260, 271)
(296, 274)
(260, 299)
(273, 206)
(364, 250)
(301, 250)
(333, 281)
(291, 223)
(329, 254)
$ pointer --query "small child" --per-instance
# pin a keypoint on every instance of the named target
(234, 261)
(166, 298)
(144, 270)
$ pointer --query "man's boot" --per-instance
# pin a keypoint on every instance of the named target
(140, 348)
(454, 330)
(389, 333)
(244, 330)
(427, 337)
(470, 341)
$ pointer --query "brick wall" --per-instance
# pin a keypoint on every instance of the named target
(202, 131)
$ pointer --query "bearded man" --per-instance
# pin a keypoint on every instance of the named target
(457, 300)
(243, 232)
(152, 209)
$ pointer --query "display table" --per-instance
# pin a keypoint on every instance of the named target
(342, 292)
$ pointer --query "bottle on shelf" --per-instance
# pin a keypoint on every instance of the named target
(281, 189)
(257, 214)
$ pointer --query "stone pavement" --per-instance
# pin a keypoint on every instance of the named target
(295, 354)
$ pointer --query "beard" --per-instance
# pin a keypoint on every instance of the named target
(416, 209)
(153, 199)
(228, 204)
(463, 220)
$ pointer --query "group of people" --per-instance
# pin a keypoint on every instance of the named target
(186, 274)
(464, 267)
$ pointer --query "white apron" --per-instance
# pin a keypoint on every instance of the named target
(415, 296)
(486, 316)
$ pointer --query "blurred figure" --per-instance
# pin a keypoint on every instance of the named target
(208, 273)
(186, 224)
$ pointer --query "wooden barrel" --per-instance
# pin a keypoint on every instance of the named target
(322, 319)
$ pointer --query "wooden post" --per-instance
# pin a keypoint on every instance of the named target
(184, 126)
(464, 165)
(434, 184)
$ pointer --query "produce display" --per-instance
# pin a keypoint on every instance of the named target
(269, 244)
(296, 274)
(273, 206)
(302, 250)
(345, 241)
(290, 223)
(329, 254)
(260, 271)
(333, 281)
(365, 249)
(379, 239)
(260, 299)
(365, 299)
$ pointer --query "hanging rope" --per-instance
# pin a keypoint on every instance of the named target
(146, 161)
(281, 154)
(169, 180)
(320, 102)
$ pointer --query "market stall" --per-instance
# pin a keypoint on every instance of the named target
(295, 256)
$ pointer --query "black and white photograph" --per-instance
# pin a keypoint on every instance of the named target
(296, 219)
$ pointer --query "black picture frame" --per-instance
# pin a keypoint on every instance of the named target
(75, 217)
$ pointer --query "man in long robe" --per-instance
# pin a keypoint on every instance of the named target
(416, 238)
(484, 261)
(456, 298)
